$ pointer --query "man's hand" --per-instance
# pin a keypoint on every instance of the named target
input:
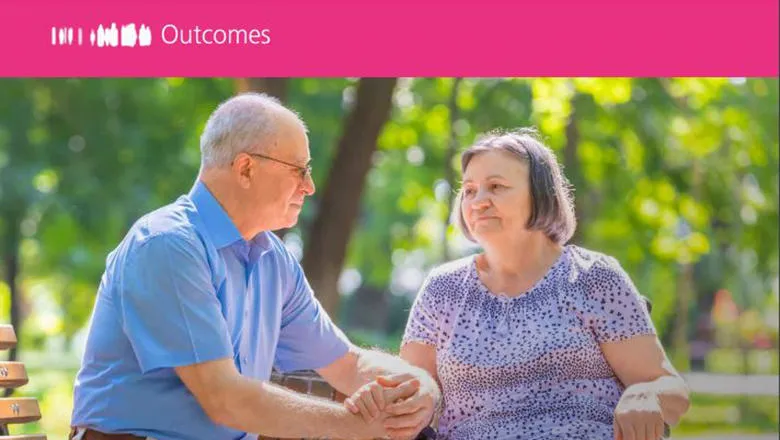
(383, 392)
(370, 400)
(413, 411)
(410, 392)
(397, 401)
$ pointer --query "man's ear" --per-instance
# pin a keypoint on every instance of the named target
(243, 168)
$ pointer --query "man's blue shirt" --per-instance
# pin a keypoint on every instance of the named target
(184, 287)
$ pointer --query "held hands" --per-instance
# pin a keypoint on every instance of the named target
(398, 402)
(638, 415)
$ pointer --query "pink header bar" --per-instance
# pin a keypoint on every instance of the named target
(403, 38)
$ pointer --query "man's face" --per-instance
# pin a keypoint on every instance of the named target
(279, 182)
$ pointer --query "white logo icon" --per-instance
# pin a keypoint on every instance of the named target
(129, 35)
(113, 35)
(107, 37)
(65, 36)
(103, 36)
(145, 36)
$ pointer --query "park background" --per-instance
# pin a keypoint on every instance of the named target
(675, 177)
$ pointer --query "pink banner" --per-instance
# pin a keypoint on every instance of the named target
(401, 38)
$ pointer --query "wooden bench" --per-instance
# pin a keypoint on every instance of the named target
(17, 409)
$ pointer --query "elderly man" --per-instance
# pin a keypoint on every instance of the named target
(200, 301)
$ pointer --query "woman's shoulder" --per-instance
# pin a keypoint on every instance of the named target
(439, 293)
(598, 273)
(453, 267)
(590, 263)
(594, 270)
(449, 276)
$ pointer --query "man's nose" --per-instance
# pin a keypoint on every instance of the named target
(308, 185)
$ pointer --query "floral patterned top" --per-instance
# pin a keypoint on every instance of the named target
(528, 367)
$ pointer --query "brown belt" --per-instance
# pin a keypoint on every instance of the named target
(91, 434)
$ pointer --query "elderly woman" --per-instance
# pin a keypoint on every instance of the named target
(534, 338)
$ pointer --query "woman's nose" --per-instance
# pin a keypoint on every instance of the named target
(480, 200)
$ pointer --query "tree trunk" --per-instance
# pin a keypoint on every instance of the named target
(685, 293)
(329, 235)
(572, 170)
(449, 174)
(369, 309)
(684, 298)
(11, 272)
(276, 87)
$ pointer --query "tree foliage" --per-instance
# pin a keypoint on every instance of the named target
(677, 178)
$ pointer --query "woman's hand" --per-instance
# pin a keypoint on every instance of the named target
(638, 415)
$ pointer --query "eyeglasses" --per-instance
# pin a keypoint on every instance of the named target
(303, 171)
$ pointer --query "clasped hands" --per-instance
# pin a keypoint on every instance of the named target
(397, 405)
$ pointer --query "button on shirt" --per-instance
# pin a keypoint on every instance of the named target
(184, 287)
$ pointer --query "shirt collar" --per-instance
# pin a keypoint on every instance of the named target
(220, 227)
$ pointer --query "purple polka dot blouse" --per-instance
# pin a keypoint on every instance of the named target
(528, 367)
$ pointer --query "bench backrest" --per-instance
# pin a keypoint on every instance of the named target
(13, 375)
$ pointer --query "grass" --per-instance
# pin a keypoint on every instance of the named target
(730, 414)
(724, 360)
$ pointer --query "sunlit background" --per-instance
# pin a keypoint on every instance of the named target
(676, 178)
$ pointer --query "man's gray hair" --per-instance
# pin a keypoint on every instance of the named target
(244, 123)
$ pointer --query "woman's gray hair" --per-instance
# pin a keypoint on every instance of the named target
(552, 203)
(241, 124)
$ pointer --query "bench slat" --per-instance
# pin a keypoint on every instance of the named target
(12, 374)
(7, 337)
(19, 410)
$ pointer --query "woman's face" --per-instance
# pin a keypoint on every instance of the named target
(496, 196)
